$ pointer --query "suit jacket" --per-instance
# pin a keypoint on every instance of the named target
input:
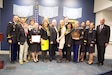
(33, 32)
(43, 34)
(53, 35)
(102, 36)
(83, 31)
(68, 38)
(12, 31)
(91, 36)
(21, 36)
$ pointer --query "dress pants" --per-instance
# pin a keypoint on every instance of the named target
(52, 50)
(23, 52)
(75, 52)
(101, 53)
(14, 51)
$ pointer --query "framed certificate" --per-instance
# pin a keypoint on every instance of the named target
(35, 38)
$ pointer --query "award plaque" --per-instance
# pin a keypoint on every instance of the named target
(35, 38)
(75, 35)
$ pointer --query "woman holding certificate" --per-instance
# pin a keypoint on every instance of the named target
(34, 39)
(45, 39)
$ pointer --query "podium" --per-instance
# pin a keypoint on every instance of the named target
(1, 37)
(1, 61)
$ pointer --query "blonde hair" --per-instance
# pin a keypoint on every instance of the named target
(59, 27)
(32, 19)
(45, 20)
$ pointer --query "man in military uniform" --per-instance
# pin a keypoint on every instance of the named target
(85, 41)
(76, 38)
(12, 32)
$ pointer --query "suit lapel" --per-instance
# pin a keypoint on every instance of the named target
(99, 29)
(102, 28)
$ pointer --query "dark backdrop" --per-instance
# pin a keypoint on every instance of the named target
(6, 15)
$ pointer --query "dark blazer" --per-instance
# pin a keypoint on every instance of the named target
(103, 36)
(82, 38)
(53, 35)
(91, 36)
(33, 32)
(68, 38)
(21, 36)
(12, 31)
(43, 34)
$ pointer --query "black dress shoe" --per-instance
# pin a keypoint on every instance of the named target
(50, 59)
(59, 61)
(37, 60)
(15, 61)
(44, 60)
(100, 64)
(54, 58)
(67, 61)
(89, 63)
(81, 60)
(12, 62)
(96, 63)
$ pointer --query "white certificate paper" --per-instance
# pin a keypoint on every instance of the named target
(35, 38)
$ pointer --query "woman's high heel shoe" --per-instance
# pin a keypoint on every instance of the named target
(89, 63)
(34, 60)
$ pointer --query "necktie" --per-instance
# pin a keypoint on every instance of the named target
(56, 29)
(101, 27)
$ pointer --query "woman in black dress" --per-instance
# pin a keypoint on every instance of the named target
(91, 38)
(68, 41)
(83, 42)
(45, 34)
(34, 46)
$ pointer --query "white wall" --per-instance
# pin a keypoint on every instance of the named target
(107, 14)
(1, 3)
(101, 5)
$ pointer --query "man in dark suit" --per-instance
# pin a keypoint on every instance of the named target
(11, 32)
(102, 40)
(53, 42)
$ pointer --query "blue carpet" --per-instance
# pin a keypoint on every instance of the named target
(107, 73)
(53, 68)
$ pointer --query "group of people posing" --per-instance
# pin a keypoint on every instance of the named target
(67, 37)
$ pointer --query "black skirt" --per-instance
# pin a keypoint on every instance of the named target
(83, 48)
(35, 47)
(91, 49)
